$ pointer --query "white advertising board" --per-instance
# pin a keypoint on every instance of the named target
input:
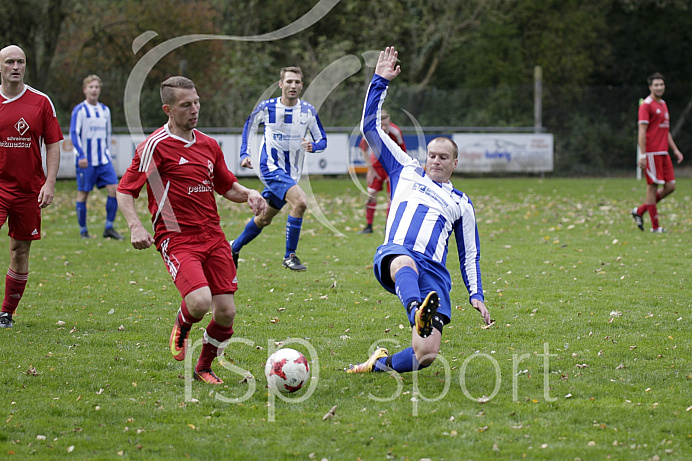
(478, 153)
(504, 153)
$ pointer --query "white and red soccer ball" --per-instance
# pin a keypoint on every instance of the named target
(287, 370)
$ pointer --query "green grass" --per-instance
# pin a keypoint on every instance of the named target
(564, 270)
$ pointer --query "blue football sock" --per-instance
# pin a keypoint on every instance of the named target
(111, 210)
(406, 285)
(248, 235)
(293, 226)
(81, 215)
(401, 362)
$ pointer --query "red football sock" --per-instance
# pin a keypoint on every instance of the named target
(643, 208)
(370, 212)
(658, 196)
(14, 289)
(215, 341)
(653, 213)
(185, 318)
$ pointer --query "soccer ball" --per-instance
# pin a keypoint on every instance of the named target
(287, 370)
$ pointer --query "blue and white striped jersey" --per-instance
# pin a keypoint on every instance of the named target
(284, 126)
(90, 130)
(423, 212)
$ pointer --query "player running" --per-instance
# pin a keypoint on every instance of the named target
(425, 210)
(287, 121)
(182, 168)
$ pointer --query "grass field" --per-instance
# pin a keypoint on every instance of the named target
(589, 356)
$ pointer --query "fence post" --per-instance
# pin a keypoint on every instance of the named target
(538, 99)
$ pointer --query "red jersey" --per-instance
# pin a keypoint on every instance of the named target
(181, 178)
(26, 122)
(394, 133)
(655, 114)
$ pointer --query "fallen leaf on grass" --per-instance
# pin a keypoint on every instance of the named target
(32, 372)
(483, 399)
(330, 414)
(582, 365)
(482, 429)
(620, 367)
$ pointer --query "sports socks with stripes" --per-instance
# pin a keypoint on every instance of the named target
(15, 283)
(215, 341)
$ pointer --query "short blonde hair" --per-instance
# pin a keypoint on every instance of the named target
(168, 85)
(452, 144)
(90, 78)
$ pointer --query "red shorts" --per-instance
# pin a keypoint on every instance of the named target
(199, 260)
(23, 215)
(377, 184)
(659, 169)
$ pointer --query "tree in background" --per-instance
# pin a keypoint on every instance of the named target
(468, 62)
(35, 26)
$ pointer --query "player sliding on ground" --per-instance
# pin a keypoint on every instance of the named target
(182, 168)
(425, 210)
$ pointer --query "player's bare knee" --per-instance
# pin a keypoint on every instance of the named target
(400, 262)
(198, 302)
(426, 354)
(224, 317)
(263, 220)
(299, 206)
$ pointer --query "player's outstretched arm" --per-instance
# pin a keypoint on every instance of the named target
(480, 307)
(387, 64)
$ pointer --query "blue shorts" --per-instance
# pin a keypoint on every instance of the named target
(432, 276)
(276, 185)
(99, 176)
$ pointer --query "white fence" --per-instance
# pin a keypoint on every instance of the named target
(478, 153)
